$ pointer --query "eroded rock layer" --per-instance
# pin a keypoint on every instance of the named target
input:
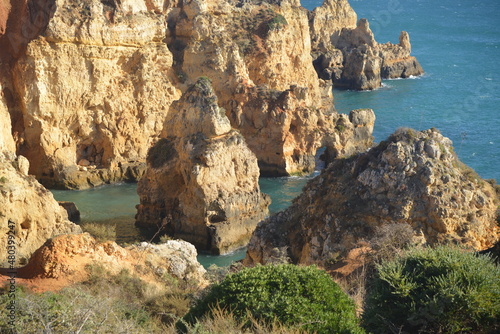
(201, 184)
(413, 177)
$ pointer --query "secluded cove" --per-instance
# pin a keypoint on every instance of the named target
(115, 204)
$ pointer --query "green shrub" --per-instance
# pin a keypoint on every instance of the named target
(301, 297)
(442, 290)
(277, 22)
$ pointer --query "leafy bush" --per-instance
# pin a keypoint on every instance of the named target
(442, 290)
(304, 297)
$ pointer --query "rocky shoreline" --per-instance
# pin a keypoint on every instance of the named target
(195, 99)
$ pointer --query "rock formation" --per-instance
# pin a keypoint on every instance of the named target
(29, 215)
(89, 84)
(257, 54)
(346, 52)
(413, 177)
(201, 184)
(65, 258)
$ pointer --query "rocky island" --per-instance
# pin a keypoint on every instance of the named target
(201, 184)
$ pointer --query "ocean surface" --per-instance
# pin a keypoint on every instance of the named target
(457, 44)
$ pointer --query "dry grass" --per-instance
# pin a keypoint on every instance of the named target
(102, 232)
(225, 322)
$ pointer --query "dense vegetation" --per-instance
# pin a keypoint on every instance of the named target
(441, 290)
(301, 297)
(420, 290)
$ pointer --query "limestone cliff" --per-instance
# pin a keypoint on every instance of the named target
(88, 84)
(413, 177)
(29, 215)
(201, 184)
(92, 91)
(347, 53)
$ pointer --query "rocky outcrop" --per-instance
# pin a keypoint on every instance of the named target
(201, 184)
(29, 215)
(67, 256)
(347, 53)
(412, 178)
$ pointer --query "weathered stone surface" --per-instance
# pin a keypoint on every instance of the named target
(66, 257)
(413, 177)
(362, 62)
(201, 184)
(27, 210)
(328, 20)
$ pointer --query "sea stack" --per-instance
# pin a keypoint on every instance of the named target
(201, 183)
(346, 52)
(412, 178)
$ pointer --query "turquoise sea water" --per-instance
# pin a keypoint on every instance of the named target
(458, 47)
